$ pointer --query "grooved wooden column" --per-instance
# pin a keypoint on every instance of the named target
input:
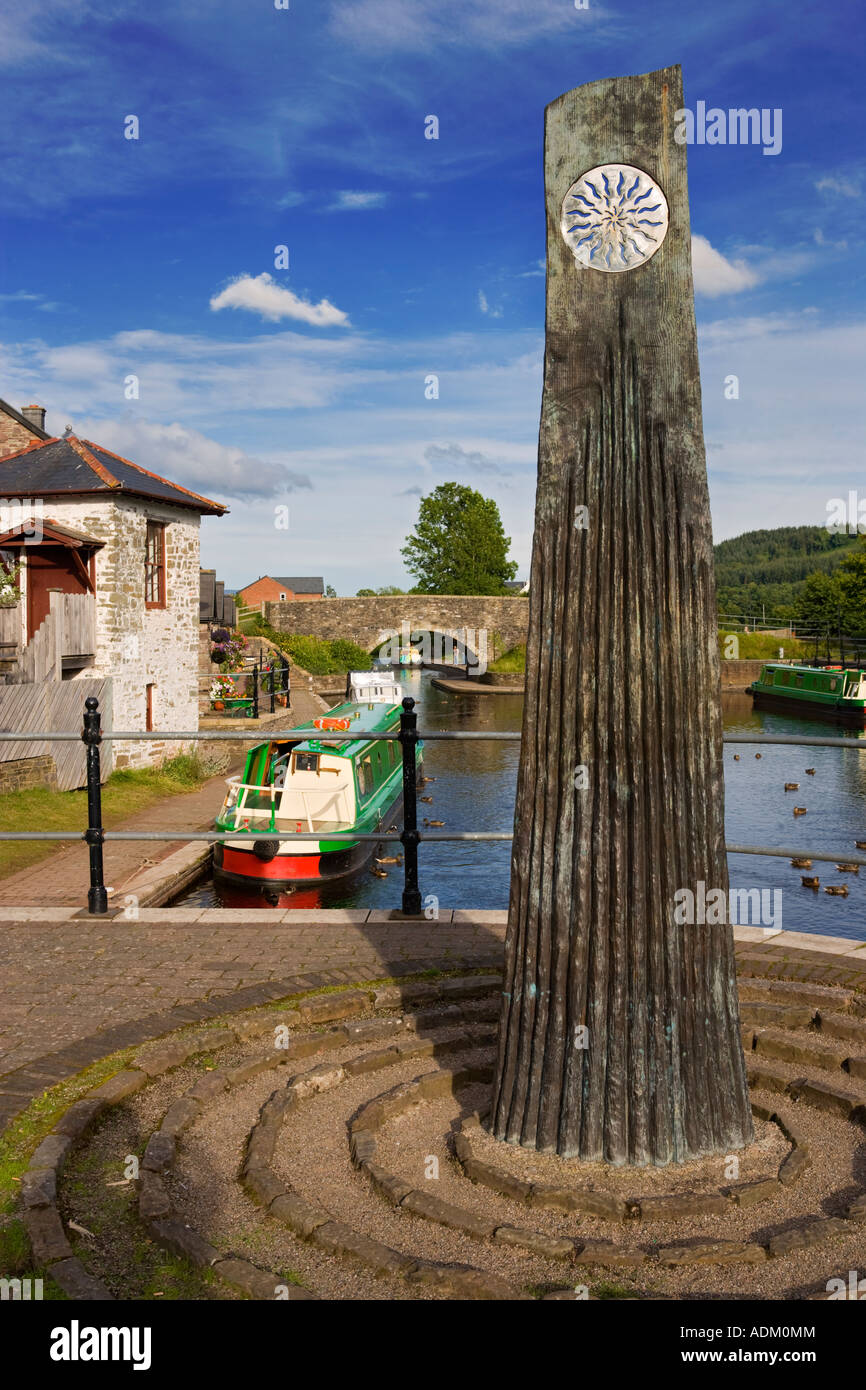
(619, 1034)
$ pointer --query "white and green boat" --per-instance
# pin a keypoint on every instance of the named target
(308, 780)
(829, 692)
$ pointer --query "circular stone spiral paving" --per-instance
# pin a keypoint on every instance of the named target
(335, 1148)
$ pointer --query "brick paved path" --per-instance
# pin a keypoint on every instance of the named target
(65, 982)
(73, 991)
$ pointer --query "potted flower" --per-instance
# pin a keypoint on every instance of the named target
(10, 592)
(222, 692)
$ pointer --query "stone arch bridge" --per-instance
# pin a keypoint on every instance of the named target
(370, 621)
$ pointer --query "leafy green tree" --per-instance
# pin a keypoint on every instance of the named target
(330, 591)
(458, 546)
(366, 593)
(819, 602)
(852, 590)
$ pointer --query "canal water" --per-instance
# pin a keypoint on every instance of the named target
(475, 788)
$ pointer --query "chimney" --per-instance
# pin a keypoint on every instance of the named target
(35, 414)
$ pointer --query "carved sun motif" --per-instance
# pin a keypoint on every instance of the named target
(614, 218)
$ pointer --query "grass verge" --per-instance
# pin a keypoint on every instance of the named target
(124, 793)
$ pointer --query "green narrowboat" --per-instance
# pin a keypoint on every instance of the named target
(829, 692)
(308, 780)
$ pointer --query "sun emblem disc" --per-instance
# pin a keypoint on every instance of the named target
(614, 218)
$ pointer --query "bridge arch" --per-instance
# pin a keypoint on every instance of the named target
(369, 621)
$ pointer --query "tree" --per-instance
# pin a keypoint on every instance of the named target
(330, 591)
(819, 602)
(366, 593)
(458, 546)
(852, 590)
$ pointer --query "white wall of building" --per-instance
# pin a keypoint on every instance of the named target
(139, 646)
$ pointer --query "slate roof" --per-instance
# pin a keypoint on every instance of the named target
(296, 584)
(79, 466)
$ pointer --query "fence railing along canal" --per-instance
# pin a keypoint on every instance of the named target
(95, 836)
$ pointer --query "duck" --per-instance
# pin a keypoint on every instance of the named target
(810, 772)
(838, 890)
(736, 757)
(378, 873)
(810, 882)
(861, 844)
(759, 755)
(428, 799)
(390, 859)
(433, 822)
(801, 863)
(800, 810)
(792, 786)
(848, 868)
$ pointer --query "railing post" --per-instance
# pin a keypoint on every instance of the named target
(256, 690)
(272, 669)
(97, 897)
(409, 837)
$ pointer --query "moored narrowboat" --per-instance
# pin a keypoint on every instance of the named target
(828, 692)
(309, 781)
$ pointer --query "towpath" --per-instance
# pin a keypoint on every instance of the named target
(62, 880)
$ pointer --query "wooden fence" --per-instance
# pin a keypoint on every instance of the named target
(57, 706)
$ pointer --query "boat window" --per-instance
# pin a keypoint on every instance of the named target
(393, 751)
(833, 683)
(799, 681)
(306, 762)
(365, 776)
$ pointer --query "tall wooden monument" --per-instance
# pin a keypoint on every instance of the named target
(619, 1035)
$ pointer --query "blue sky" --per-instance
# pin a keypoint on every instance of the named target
(305, 127)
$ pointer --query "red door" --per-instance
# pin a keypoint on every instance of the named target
(48, 567)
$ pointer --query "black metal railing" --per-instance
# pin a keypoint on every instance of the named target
(262, 684)
(408, 736)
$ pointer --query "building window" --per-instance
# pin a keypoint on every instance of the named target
(282, 596)
(154, 565)
(148, 709)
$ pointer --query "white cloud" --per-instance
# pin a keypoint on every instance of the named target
(453, 458)
(192, 459)
(357, 200)
(714, 275)
(394, 24)
(260, 294)
(847, 188)
(485, 307)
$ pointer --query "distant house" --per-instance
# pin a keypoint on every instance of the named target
(267, 589)
(18, 428)
(517, 586)
(109, 578)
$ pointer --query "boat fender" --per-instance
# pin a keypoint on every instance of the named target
(266, 850)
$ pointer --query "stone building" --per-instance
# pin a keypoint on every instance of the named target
(121, 545)
(267, 589)
(18, 428)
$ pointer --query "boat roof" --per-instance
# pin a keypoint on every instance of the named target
(370, 719)
(813, 670)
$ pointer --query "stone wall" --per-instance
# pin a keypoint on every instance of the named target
(136, 645)
(737, 675)
(23, 773)
(13, 437)
(367, 621)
